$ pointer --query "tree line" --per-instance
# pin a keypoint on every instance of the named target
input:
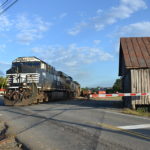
(3, 82)
(117, 87)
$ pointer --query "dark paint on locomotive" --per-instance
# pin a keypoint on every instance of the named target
(31, 80)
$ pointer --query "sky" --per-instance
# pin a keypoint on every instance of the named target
(78, 37)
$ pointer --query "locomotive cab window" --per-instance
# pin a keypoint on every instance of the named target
(43, 66)
(31, 64)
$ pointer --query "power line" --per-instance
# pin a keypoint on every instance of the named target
(3, 3)
(6, 5)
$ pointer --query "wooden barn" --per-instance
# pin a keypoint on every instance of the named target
(134, 67)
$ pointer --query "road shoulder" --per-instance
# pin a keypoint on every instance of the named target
(8, 142)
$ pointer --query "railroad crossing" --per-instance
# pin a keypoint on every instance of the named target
(77, 124)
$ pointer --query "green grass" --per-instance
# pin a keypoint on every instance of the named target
(137, 112)
(143, 109)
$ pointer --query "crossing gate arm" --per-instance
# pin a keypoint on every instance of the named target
(120, 94)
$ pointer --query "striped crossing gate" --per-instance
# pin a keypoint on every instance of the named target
(119, 94)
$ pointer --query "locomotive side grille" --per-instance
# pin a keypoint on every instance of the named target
(33, 78)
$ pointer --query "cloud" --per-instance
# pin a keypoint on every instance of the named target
(77, 29)
(99, 11)
(82, 75)
(73, 60)
(96, 42)
(71, 56)
(135, 29)
(104, 18)
(27, 29)
(125, 9)
(2, 47)
(30, 29)
(63, 15)
(5, 23)
(4, 63)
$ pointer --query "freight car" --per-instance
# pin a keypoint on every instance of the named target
(31, 80)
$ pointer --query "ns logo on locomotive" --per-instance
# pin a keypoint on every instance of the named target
(31, 80)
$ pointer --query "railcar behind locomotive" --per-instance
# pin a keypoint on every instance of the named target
(31, 80)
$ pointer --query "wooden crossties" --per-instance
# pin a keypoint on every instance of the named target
(134, 67)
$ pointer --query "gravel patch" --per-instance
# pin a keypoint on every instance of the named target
(7, 143)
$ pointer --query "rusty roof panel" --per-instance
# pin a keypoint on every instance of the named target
(147, 44)
(144, 51)
(125, 52)
(133, 58)
(136, 52)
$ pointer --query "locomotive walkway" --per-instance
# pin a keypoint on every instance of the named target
(77, 125)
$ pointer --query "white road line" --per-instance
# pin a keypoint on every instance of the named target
(1, 114)
(140, 126)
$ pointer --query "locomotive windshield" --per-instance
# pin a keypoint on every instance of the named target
(31, 64)
(24, 67)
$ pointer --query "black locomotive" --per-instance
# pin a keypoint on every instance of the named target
(31, 80)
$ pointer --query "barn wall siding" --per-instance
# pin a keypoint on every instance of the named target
(140, 83)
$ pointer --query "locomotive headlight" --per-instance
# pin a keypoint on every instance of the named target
(24, 84)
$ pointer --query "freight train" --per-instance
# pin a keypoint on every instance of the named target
(31, 80)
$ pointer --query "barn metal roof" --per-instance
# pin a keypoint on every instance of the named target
(135, 51)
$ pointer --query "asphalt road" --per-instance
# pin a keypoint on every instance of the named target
(77, 125)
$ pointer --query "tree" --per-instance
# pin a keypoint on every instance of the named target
(117, 87)
(109, 91)
(2, 82)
